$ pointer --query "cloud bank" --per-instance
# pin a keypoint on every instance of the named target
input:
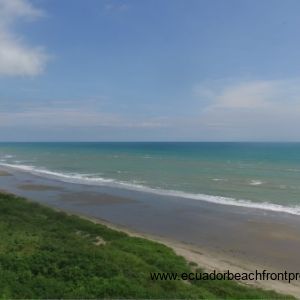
(16, 57)
(252, 110)
(73, 115)
(255, 110)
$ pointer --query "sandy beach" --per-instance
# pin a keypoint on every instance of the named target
(216, 237)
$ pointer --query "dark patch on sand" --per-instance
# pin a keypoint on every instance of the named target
(87, 198)
(275, 231)
(39, 187)
(4, 173)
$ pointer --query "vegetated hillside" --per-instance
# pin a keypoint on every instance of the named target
(48, 254)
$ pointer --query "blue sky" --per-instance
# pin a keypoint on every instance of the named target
(149, 70)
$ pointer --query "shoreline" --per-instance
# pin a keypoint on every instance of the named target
(192, 254)
(206, 257)
(205, 260)
(81, 259)
(112, 183)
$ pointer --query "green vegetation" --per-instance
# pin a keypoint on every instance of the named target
(47, 254)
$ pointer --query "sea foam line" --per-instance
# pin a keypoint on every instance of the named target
(86, 179)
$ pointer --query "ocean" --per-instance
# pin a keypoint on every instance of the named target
(259, 175)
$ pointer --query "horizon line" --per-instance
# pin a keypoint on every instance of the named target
(151, 141)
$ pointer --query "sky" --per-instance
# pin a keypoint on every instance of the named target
(137, 70)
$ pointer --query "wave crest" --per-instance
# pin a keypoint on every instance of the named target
(90, 180)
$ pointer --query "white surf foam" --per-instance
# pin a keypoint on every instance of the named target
(89, 180)
(219, 179)
(256, 182)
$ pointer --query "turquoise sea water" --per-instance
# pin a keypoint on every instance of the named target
(262, 175)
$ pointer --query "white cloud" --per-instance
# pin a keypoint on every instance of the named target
(54, 117)
(16, 57)
(74, 118)
(10, 9)
(116, 6)
(255, 110)
(246, 95)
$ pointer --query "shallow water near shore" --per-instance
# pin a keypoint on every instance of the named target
(259, 175)
(251, 236)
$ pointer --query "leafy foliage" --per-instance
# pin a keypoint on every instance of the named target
(49, 254)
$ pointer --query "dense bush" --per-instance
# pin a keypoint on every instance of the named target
(47, 254)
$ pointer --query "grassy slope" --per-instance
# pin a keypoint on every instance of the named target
(46, 254)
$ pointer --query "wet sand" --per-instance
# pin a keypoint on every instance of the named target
(38, 187)
(93, 198)
(215, 236)
(4, 173)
